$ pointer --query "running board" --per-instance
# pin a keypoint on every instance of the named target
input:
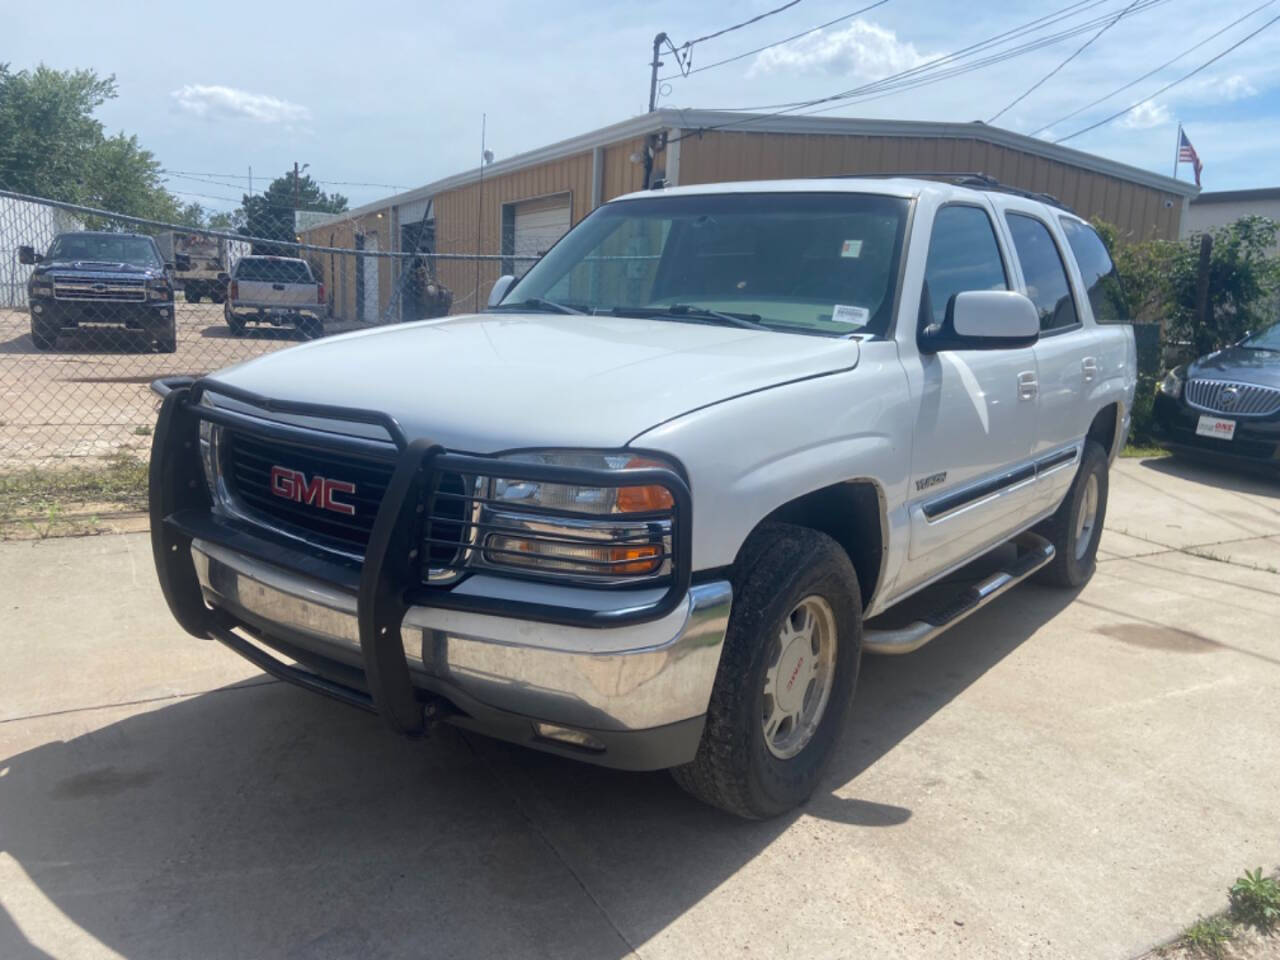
(1034, 552)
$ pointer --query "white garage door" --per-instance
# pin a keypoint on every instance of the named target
(538, 225)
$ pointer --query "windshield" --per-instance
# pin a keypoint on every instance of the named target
(272, 270)
(1268, 339)
(818, 263)
(105, 248)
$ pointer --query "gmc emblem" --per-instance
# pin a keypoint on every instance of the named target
(317, 492)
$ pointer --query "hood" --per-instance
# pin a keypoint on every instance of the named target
(96, 266)
(1241, 364)
(493, 382)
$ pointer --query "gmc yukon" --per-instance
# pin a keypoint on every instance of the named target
(650, 509)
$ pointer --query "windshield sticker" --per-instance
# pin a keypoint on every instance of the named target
(852, 316)
(851, 248)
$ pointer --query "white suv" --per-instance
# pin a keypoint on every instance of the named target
(651, 507)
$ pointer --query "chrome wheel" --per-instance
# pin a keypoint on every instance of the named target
(1087, 518)
(798, 683)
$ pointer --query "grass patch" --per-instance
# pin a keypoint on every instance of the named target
(1208, 937)
(1143, 450)
(43, 500)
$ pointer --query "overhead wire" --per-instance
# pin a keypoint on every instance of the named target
(684, 54)
(936, 69)
(1079, 50)
(776, 43)
(1169, 86)
(1152, 72)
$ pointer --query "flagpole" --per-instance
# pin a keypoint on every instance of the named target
(1177, 151)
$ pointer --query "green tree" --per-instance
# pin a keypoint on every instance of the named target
(52, 146)
(270, 214)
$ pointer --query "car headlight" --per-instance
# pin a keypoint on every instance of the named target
(158, 289)
(1171, 385)
(42, 290)
(602, 534)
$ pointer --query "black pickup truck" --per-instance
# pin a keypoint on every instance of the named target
(100, 279)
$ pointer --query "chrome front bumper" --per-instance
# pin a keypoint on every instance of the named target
(620, 680)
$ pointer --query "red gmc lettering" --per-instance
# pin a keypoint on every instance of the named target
(316, 492)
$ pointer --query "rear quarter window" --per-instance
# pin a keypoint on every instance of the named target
(1101, 279)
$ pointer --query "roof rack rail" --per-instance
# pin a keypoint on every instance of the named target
(973, 179)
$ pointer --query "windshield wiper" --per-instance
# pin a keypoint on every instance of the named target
(748, 321)
(538, 303)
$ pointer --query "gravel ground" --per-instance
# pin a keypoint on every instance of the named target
(88, 398)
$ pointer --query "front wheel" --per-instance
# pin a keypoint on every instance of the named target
(1076, 527)
(167, 339)
(191, 296)
(44, 336)
(787, 675)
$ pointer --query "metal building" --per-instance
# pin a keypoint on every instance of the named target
(520, 205)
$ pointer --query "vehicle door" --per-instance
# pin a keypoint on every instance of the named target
(971, 472)
(1066, 362)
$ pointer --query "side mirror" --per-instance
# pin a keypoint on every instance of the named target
(500, 288)
(28, 256)
(181, 261)
(983, 320)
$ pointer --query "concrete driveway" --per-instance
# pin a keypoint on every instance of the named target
(1060, 776)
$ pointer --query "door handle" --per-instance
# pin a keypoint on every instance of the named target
(1028, 386)
(1090, 367)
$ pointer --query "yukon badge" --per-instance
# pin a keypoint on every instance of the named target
(317, 492)
(924, 483)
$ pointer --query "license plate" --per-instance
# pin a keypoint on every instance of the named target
(1216, 427)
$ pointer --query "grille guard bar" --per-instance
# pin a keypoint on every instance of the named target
(389, 579)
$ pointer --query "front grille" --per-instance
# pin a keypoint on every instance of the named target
(247, 466)
(1233, 399)
(126, 289)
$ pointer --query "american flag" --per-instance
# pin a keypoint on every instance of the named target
(1187, 154)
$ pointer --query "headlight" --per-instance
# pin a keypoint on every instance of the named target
(602, 534)
(1171, 385)
(41, 290)
(158, 289)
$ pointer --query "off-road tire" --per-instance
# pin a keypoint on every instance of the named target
(44, 337)
(734, 770)
(1066, 569)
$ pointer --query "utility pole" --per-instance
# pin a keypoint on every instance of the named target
(479, 214)
(658, 41)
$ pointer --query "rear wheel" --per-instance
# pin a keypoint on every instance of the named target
(310, 328)
(786, 678)
(191, 296)
(1076, 527)
(43, 335)
(235, 323)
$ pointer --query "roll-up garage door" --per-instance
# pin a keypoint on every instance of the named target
(538, 225)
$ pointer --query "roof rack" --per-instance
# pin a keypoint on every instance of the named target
(973, 180)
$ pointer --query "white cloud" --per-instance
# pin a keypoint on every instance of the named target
(1224, 89)
(216, 102)
(1146, 115)
(861, 50)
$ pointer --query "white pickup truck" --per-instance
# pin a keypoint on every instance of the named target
(276, 291)
(650, 509)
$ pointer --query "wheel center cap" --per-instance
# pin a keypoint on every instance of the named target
(794, 668)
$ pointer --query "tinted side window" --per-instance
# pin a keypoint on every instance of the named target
(1044, 272)
(963, 255)
(1100, 277)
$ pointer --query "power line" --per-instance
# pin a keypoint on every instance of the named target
(1170, 85)
(776, 43)
(240, 176)
(1153, 72)
(744, 23)
(1079, 50)
(933, 71)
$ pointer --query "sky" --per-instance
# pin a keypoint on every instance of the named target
(392, 93)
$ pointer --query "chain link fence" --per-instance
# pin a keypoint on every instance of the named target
(95, 305)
